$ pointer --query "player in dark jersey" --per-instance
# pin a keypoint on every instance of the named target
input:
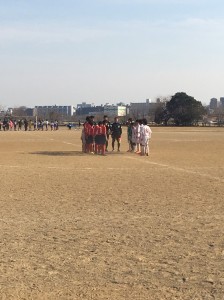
(116, 132)
(108, 130)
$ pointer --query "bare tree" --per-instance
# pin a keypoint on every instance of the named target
(20, 111)
(219, 112)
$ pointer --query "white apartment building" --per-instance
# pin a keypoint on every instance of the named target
(115, 110)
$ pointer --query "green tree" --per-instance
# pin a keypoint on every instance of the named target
(184, 109)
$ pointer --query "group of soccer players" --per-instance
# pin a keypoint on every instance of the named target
(95, 136)
(139, 135)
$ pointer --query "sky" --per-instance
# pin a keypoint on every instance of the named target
(106, 51)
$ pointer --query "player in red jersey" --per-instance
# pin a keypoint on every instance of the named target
(89, 133)
(96, 138)
(102, 133)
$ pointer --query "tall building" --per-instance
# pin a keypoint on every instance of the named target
(222, 102)
(213, 103)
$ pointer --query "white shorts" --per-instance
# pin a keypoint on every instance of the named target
(145, 141)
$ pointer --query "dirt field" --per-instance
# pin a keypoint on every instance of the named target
(77, 226)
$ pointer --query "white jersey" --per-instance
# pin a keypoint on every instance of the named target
(141, 130)
(136, 134)
(147, 132)
(146, 135)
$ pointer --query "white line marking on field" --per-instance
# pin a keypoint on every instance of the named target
(10, 166)
(76, 169)
(67, 143)
(182, 141)
(177, 169)
(64, 142)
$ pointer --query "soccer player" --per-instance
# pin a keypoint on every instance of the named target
(116, 132)
(129, 135)
(108, 128)
(137, 136)
(96, 138)
(83, 139)
(85, 129)
(101, 138)
(145, 137)
(134, 137)
(89, 133)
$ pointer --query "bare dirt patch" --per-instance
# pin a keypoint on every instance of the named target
(76, 226)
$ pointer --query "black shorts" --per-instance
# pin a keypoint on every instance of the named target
(97, 139)
(102, 140)
(116, 137)
(89, 139)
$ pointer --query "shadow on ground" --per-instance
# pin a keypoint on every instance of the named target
(59, 153)
(69, 153)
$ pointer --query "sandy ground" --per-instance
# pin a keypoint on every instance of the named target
(77, 226)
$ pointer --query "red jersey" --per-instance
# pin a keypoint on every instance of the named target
(86, 125)
(102, 130)
(96, 128)
(89, 129)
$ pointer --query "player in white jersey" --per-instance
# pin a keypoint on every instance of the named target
(137, 136)
(141, 127)
(145, 137)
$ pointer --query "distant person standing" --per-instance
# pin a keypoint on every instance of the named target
(52, 125)
(30, 125)
(108, 129)
(116, 132)
(35, 125)
(129, 135)
(89, 133)
(25, 124)
(146, 134)
(15, 124)
(137, 135)
(46, 124)
(56, 125)
(5, 124)
(20, 125)
(102, 131)
(11, 124)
